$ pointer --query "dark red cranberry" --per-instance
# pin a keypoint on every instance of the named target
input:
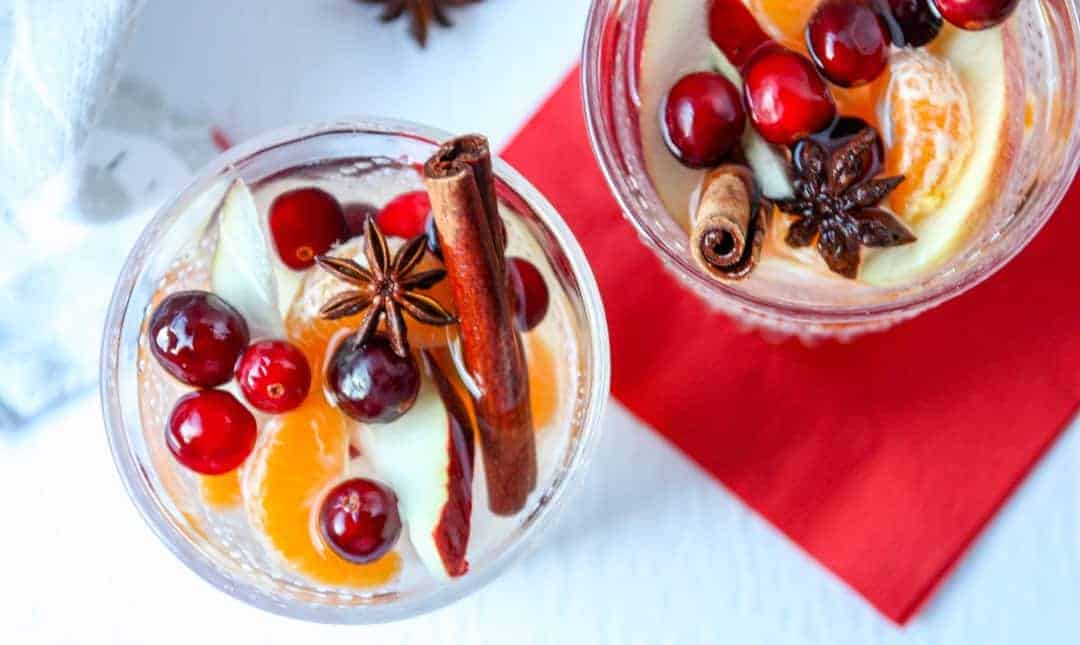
(974, 15)
(274, 376)
(531, 298)
(359, 520)
(703, 119)
(355, 215)
(305, 223)
(405, 216)
(786, 97)
(735, 30)
(210, 432)
(371, 383)
(915, 22)
(848, 41)
(197, 337)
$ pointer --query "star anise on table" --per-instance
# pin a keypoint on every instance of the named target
(385, 289)
(422, 12)
(836, 203)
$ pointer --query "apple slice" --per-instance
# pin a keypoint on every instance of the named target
(769, 164)
(243, 269)
(426, 456)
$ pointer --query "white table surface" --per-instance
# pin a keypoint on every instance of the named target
(652, 552)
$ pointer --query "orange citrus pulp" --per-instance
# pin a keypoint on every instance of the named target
(300, 455)
(932, 132)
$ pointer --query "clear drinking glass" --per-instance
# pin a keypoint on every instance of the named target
(221, 548)
(1047, 158)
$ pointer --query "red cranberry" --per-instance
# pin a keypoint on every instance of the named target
(371, 383)
(210, 432)
(848, 41)
(305, 223)
(703, 119)
(355, 215)
(274, 376)
(406, 215)
(531, 293)
(786, 97)
(359, 520)
(735, 30)
(197, 337)
(916, 22)
(974, 15)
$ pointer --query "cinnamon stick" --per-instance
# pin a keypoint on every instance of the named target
(730, 224)
(461, 185)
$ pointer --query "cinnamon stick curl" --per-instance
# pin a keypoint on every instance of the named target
(730, 224)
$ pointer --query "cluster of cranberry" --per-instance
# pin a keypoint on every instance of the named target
(785, 93)
(204, 342)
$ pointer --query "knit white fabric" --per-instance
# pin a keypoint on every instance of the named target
(56, 62)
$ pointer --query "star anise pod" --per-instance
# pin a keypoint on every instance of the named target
(422, 12)
(386, 288)
(835, 203)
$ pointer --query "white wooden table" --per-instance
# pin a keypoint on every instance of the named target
(652, 552)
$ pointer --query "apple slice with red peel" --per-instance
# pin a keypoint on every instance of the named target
(426, 456)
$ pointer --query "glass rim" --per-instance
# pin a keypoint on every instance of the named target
(608, 151)
(533, 527)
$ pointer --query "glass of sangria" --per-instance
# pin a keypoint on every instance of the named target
(352, 372)
(833, 167)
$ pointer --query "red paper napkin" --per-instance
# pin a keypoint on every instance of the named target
(883, 458)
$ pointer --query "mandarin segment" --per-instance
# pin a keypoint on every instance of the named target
(862, 102)
(301, 455)
(785, 20)
(543, 380)
(221, 492)
(931, 132)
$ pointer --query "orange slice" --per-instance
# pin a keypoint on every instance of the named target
(862, 101)
(785, 20)
(543, 380)
(221, 492)
(931, 132)
(299, 456)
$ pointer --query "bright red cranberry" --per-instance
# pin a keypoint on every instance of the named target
(787, 99)
(848, 41)
(735, 30)
(371, 383)
(274, 376)
(210, 432)
(703, 119)
(406, 215)
(531, 293)
(915, 22)
(974, 15)
(197, 337)
(305, 223)
(359, 520)
(356, 214)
